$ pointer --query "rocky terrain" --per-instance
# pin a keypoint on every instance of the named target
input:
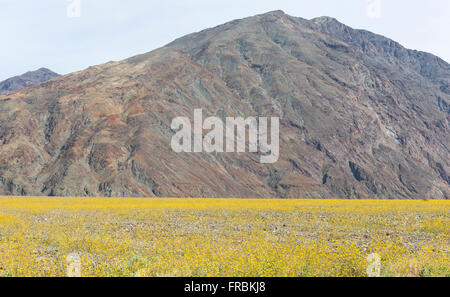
(28, 79)
(360, 117)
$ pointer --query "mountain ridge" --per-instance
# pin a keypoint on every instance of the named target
(361, 117)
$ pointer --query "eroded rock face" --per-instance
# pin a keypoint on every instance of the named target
(28, 79)
(360, 117)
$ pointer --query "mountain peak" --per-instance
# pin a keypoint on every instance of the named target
(25, 80)
(272, 15)
(276, 12)
(325, 19)
(43, 69)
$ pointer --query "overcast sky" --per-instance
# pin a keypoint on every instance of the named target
(49, 33)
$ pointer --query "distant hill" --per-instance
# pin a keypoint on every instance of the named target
(360, 117)
(28, 79)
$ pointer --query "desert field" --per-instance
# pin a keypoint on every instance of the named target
(223, 237)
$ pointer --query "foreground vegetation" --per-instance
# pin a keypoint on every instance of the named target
(223, 237)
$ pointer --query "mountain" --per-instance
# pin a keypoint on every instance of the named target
(360, 117)
(28, 79)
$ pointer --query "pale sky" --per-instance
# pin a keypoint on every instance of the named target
(42, 33)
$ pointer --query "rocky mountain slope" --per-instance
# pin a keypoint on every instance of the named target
(360, 117)
(28, 79)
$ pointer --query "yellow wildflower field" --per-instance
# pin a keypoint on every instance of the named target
(223, 237)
